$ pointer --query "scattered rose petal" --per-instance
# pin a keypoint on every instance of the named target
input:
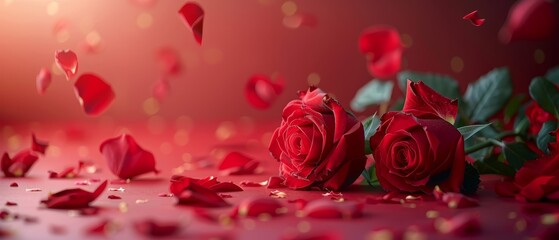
(33, 190)
(169, 61)
(73, 198)
(322, 208)
(142, 201)
(529, 20)
(120, 181)
(217, 186)
(474, 18)
(29, 219)
(83, 183)
(248, 183)
(69, 172)
(120, 189)
(464, 224)
(299, 203)
(93, 93)
(43, 80)
(38, 145)
(165, 195)
(261, 92)
(152, 228)
(277, 194)
(8, 203)
(256, 207)
(275, 182)
(5, 233)
(189, 192)
(14, 184)
(104, 227)
(193, 16)
(19, 165)
(113, 197)
(458, 200)
(67, 61)
(236, 163)
(383, 48)
(95, 180)
(126, 159)
(336, 196)
(161, 89)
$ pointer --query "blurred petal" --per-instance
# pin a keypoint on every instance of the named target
(94, 94)
(465, 224)
(188, 192)
(19, 165)
(236, 163)
(193, 16)
(43, 80)
(67, 61)
(74, 198)
(255, 207)
(38, 145)
(529, 20)
(330, 209)
(152, 228)
(474, 18)
(384, 49)
(261, 92)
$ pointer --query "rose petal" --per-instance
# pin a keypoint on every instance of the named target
(216, 186)
(67, 61)
(299, 203)
(465, 224)
(104, 227)
(113, 197)
(247, 183)
(73, 198)
(169, 61)
(255, 207)
(19, 165)
(330, 209)
(275, 182)
(94, 94)
(57, 230)
(261, 92)
(14, 184)
(161, 89)
(529, 20)
(126, 159)
(277, 194)
(165, 195)
(43, 80)
(337, 196)
(384, 49)
(506, 189)
(152, 228)
(189, 192)
(474, 18)
(236, 163)
(8, 203)
(38, 145)
(193, 16)
(69, 172)
(421, 101)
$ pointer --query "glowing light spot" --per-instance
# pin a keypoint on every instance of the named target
(212, 56)
(218, 153)
(382, 234)
(53, 151)
(249, 224)
(166, 148)
(123, 207)
(407, 40)
(151, 106)
(457, 64)
(144, 20)
(62, 36)
(8, 2)
(431, 214)
(52, 8)
(93, 38)
(264, 217)
(512, 215)
(313, 79)
(14, 142)
(292, 22)
(181, 137)
(184, 122)
(156, 125)
(142, 201)
(289, 8)
(304, 226)
(520, 225)
(186, 157)
(550, 219)
(83, 151)
(225, 130)
(539, 56)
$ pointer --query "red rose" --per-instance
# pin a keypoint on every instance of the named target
(417, 149)
(318, 143)
(536, 180)
(537, 117)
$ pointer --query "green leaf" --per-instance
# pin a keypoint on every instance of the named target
(398, 105)
(370, 176)
(553, 75)
(444, 85)
(521, 122)
(517, 153)
(544, 137)
(513, 106)
(492, 165)
(488, 95)
(469, 131)
(374, 92)
(370, 126)
(545, 94)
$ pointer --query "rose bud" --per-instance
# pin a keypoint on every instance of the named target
(318, 144)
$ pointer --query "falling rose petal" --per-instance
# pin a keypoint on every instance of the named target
(67, 61)
(329, 209)
(474, 18)
(165, 195)
(94, 94)
(193, 16)
(43, 80)
(277, 194)
(457, 200)
(465, 224)
(189, 192)
(299, 203)
(529, 20)
(383, 47)
(19, 165)
(161, 89)
(73, 198)
(14, 184)
(261, 92)
(236, 163)
(275, 182)
(114, 197)
(8, 203)
(126, 159)
(256, 207)
(152, 228)
(169, 61)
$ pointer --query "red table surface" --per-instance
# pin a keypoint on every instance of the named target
(500, 218)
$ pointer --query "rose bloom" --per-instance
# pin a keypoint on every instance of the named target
(537, 117)
(418, 148)
(318, 144)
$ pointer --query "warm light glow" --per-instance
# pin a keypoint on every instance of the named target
(166, 148)
(62, 36)
(212, 56)
(225, 130)
(289, 8)
(151, 106)
(144, 20)
(407, 40)
(313, 79)
(457, 64)
(83, 151)
(14, 142)
(181, 137)
(52, 8)
(93, 38)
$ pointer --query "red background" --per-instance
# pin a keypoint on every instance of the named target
(240, 38)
